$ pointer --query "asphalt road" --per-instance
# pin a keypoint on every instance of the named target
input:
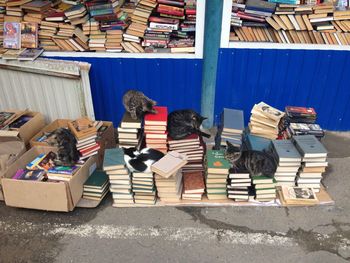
(168, 234)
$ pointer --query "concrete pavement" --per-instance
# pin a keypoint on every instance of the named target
(169, 234)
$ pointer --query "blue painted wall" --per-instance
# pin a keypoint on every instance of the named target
(315, 78)
(175, 83)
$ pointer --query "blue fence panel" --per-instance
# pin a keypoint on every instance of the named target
(175, 83)
(315, 78)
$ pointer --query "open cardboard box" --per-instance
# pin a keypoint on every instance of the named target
(106, 141)
(50, 196)
(29, 129)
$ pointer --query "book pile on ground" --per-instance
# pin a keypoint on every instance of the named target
(239, 185)
(129, 131)
(314, 161)
(194, 148)
(119, 177)
(264, 121)
(96, 186)
(288, 160)
(216, 176)
(155, 129)
(168, 176)
(193, 186)
(85, 131)
(265, 188)
(231, 128)
(298, 195)
(289, 22)
(144, 188)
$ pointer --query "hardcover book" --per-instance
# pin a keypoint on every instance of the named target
(113, 159)
(217, 163)
(96, 180)
(128, 122)
(193, 182)
(310, 146)
(169, 164)
(12, 35)
(29, 35)
(233, 120)
(286, 151)
(160, 118)
(30, 54)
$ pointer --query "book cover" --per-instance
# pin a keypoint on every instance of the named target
(30, 54)
(269, 111)
(298, 195)
(20, 122)
(286, 150)
(29, 35)
(47, 162)
(193, 182)
(169, 164)
(32, 175)
(96, 180)
(216, 160)
(34, 163)
(257, 143)
(160, 118)
(113, 159)
(12, 35)
(233, 120)
(310, 146)
(67, 170)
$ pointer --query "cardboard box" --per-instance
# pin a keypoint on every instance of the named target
(50, 196)
(106, 141)
(59, 123)
(29, 129)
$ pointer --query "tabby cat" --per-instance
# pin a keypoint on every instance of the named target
(182, 123)
(137, 104)
(256, 162)
(67, 154)
(141, 161)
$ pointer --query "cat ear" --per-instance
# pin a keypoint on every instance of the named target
(232, 148)
(203, 118)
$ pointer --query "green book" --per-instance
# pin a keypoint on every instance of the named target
(96, 180)
(217, 163)
(113, 159)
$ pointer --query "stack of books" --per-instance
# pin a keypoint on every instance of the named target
(231, 128)
(238, 185)
(129, 131)
(85, 131)
(295, 129)
(288, 160)
(193, 147)
(314, 161)
(96, 186)
(144, 188)
(300, 114)
(77, 14)
(193, 186)
(114, 39)
(216, 176)
(119, 177)
(265, 188)
(155, 129)
(168, 176)
(264, 121)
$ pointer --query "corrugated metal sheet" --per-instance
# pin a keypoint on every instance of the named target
(22, 85)
(315, 78)
(175, 83)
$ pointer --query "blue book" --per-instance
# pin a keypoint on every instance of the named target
(113, 159)
(286, 151)
(309, 146)
(261, 5)
(232, 121)
(257, 143)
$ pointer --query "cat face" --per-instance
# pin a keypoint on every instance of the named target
(197, 120)
(147, 105)
(232, 152)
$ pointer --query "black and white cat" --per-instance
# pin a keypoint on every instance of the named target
(141, 161)
(256, 162)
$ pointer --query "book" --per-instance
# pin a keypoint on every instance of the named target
(12, 35)
(216, 162)
(128, 122)
(169, 164)
(193, 182)
(30, 175)
(299, 195)
(30, 54)
(309, 146)
(160, 118)
(96, 180)
(29, 35)
(286, 151)
(233, 120)
(113, 159)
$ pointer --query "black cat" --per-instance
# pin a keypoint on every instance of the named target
(256, 162)
(67, 154)
(141, 161)
(182, 123)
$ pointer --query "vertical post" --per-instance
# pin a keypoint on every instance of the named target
(212, 33)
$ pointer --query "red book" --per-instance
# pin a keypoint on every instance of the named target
(250, 17)
(191, 11)
(154, 132)
(190, 138)
(159, 118)
(300, 110)
(90, 149)
(170, 2)
(163, 20)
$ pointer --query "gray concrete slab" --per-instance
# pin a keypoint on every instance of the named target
(188, 234)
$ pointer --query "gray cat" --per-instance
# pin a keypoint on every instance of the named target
(256, 162)
(136, 103)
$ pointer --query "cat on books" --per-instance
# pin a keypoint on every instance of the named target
(137, 104)
(182, 123)
(141, 161)
(256, 162)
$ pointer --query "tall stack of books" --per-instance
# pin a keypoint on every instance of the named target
(193, 147)
(96, 186)
(114, 39)
(264, 121)
(47, 30)
(314, 161)
(129, 131)
(231, 128)
(288, 160)
(119, 177)
(265, 188)
(155, 129)
(144, 188)
(216, 176)
(239, 185)
(168, 176)
(193, 186)
(85, 131)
